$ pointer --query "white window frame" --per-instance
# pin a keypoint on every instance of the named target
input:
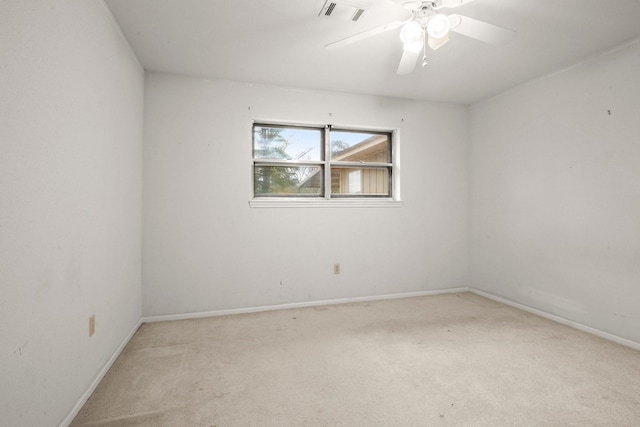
(327, 200)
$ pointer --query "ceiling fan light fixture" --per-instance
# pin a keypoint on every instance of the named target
(411, 32)
(438, 26)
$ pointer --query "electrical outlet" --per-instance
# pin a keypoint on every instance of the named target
(336, 268)
(92, 324)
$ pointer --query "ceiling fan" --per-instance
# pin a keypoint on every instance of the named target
(428, 27)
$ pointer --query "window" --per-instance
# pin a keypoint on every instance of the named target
(321, 162)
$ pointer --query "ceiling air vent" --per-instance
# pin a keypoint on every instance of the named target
(340, 11)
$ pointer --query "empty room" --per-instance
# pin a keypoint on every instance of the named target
(316, 213)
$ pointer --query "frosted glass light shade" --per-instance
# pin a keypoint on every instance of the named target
(438, 26)
(411, 32)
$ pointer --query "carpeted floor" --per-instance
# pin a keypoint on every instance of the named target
(447, 360)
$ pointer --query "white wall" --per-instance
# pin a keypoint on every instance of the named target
(206, 249)
(555, 193)
(70, 202)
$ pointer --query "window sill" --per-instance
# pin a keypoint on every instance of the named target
(324, 203)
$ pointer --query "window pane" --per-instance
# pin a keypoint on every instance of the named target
(282, 143)
(360, 181)
(288, 180)
(360, 147)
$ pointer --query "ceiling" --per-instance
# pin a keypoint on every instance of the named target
(281, 42)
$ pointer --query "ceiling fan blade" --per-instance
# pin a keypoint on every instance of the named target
(480, 30)
(435, 43)
(365, 34)
(408, 61)
(450, 4)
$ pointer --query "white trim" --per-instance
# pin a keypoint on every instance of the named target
(326, 185)
(322, 124)
(269, 202)
(561, 320)
(247, 310)
(395, 161)
(94, 384)
(327, 201)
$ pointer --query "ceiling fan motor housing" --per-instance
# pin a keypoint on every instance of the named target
(423, 5)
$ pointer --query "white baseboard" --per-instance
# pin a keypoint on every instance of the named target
(197, 315)
(561, 320)
(87, 394)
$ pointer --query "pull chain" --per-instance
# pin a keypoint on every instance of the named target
(424, 50)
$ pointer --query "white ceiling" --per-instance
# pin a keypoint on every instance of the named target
(281, 42)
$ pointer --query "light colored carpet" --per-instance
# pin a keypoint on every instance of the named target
(447, 360)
